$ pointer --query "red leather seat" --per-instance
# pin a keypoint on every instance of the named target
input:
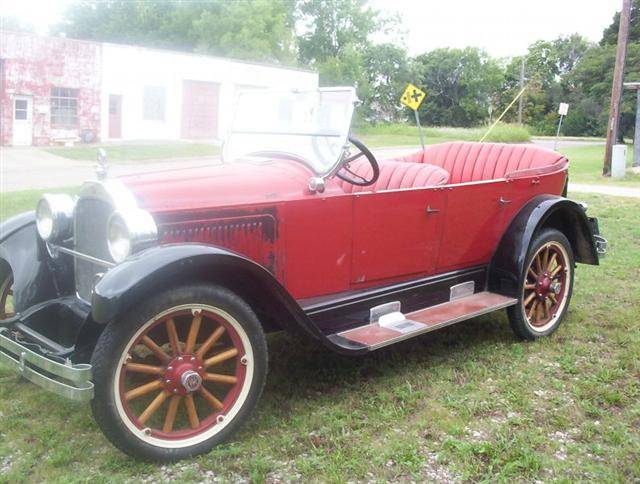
(468, 161)
(397, 174)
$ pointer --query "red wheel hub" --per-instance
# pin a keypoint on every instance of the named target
(184, 374)
(544, 285)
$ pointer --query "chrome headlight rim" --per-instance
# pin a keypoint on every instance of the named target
(54, 217)
(129, 231)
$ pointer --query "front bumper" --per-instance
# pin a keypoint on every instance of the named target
(65, 379)
(44, 358)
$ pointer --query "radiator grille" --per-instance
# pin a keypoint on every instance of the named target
(90, 237)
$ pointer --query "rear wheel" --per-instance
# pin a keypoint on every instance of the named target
(545, 288)
(180, 374)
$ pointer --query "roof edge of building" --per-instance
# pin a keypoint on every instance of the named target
(159, 49)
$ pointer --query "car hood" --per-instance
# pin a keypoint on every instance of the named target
(219, 185)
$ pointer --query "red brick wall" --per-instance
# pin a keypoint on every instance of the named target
(32, 65)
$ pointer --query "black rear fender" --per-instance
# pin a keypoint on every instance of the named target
(157, 268)
(545, 211)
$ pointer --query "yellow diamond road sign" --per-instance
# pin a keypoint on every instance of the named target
(412, 97)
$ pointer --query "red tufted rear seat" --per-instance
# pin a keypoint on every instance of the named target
(397, 174)
(467, 161)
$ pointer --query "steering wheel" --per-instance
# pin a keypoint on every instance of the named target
(349, 176)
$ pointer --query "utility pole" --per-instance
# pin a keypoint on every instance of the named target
(521, 87)
(616, 89)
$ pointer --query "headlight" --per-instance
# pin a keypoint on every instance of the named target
(54, 217)
(128, 231)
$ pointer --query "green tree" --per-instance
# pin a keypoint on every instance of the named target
(546, 64)
(590, 90)
(16, 24)
(251, 29)
(387, 72)
(149, 23)
(336, 40)
(333, 27)
(459, 84)
(588, 84)
(610, 34)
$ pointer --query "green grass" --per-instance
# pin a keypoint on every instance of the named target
(136, 151)
(13, 203)
(405, 134)
(467, 403)
(586, 166)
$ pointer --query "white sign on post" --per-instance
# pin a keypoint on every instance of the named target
(563, 109)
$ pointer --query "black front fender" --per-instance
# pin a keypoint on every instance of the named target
(21, 251)
(158, 267)
(567, 216)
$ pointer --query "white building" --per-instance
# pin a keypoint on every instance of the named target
(152, 94)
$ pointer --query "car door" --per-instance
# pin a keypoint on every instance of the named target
(474, 224)
(396, 233)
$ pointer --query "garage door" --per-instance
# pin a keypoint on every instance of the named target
(199, 110)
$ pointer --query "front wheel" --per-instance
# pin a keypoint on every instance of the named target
(6, 293)
(545, 287)
(179, 374)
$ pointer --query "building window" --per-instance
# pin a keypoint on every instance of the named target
(64, 107)
(20, 111)
(153, 109)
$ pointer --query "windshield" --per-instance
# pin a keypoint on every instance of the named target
(308, 126)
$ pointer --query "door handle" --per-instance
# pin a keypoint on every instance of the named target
(504, 201)
(430, 210)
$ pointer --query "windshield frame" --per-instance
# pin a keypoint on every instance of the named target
(342, 132)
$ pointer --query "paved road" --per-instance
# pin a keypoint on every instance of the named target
(618, 191)
(30, 168)
(550, 143)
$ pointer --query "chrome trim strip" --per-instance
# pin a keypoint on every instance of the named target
(434, 327)
(80, 255)
(316, 305)
(17, 357)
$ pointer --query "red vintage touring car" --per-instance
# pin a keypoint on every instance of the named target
(150, 295)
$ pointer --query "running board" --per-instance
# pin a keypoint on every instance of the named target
(393, 326)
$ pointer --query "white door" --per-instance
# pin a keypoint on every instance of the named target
(22, 120)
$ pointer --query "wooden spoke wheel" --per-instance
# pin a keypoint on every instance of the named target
(546, 286)
(6, 297)
(183, 373)
(182, 380)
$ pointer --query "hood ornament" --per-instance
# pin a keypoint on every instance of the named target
(101, 167)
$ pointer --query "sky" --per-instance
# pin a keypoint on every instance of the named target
(503, 28)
